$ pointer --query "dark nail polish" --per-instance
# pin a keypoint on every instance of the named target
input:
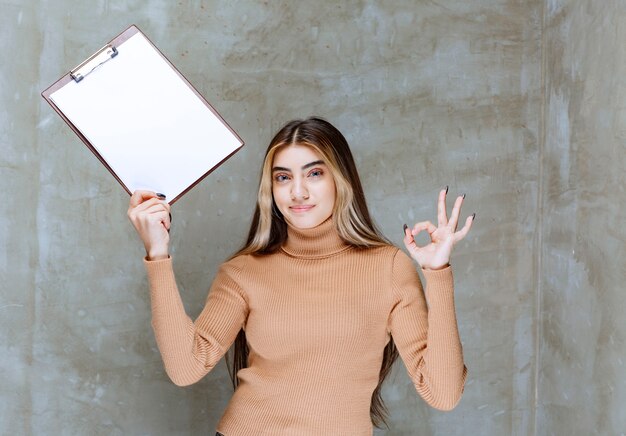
(473, 216)
(161, 196)
(463, 196)
(446, 189)
(405, 227)
(170, 218)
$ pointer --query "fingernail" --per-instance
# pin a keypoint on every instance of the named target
(446, 189)
(463, 196)
(473, 216)
(161, 196)
(405, 227)
(170, 218)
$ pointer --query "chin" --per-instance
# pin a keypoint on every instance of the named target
(305, 223)
(302, 225)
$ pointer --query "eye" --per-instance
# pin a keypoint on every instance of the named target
(281, 178)
(316, 173)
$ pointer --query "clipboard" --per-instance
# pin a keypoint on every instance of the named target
(142, 118)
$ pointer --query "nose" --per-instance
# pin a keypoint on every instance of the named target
(298, 190)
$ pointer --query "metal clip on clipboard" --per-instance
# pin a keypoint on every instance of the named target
(103, 55)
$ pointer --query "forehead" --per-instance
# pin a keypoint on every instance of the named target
(295, 156)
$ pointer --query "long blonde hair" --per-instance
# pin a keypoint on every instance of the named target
(268, 230)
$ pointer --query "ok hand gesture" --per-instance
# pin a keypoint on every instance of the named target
(436, 254)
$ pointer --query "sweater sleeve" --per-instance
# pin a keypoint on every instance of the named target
(191, 349)
(427, 336)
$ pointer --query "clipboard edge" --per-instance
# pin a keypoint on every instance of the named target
(199, 179)
(194, 90)
(88, 144)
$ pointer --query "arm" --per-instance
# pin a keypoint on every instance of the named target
(427, 337)
(191, 349)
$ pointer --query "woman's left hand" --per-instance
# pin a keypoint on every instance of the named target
(436, 254)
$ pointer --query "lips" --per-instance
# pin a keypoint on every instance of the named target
(301, 208)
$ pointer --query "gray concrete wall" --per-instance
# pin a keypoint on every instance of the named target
(428, 94)
(582, 370)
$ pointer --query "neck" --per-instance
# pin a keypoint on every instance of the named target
(317, 242)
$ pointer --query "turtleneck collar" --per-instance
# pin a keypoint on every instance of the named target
(317, 242)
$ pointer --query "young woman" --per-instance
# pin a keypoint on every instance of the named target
(318, 303)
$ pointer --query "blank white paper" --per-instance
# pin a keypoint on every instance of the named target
(144, 120)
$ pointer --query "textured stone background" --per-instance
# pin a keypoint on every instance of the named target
(519, 104)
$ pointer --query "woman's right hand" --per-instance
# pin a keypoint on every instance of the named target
(150, 216)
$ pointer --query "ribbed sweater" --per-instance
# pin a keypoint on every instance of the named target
(317, 314)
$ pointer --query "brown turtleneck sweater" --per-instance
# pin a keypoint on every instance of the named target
(317, 316)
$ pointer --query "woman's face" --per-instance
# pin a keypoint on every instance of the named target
(303, 187)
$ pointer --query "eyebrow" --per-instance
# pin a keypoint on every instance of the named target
(304, 167)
